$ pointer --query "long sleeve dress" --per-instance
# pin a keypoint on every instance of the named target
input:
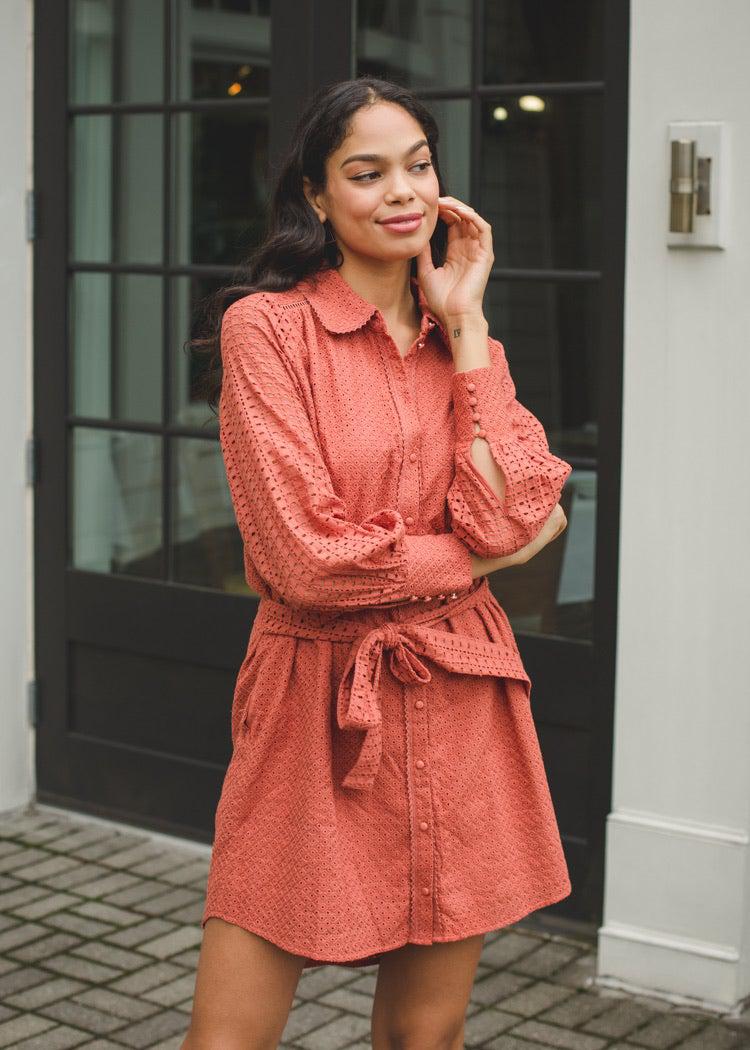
(386, 783)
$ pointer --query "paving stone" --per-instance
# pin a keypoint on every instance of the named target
(77, 924)
(491, 990)
(22, 1027)
(511, 1042)
(486, 1024)
(157, 865)
(96, 1022)
(144, 931)
(55, 1039)
(169, 1044)
(20, 934)
(19, 979)
(575, 1010)
(337, 1033)
(535, 998)
(44, 993)
(110, 955)
(345, 999)
(506, 948)
(68, 880)
(165, 902)
(546, 959)
(189, 913)
(551, 1035)
(131, 855)
(147, 978)
(123, 1006)
(579, 973)
(82, 969)
(107, 913)
(115, 880)
(714, 1037)
(188, 959)
(40, 871)
(320, 979)
(619, 1020)
(171, 943)
(20, 895)
(103, 1044)
(79, 837)
(44, 947)
(46, 905)
(48, 833)
(181, 875)
(21, 858)
(174, 992)
(304, 1018)
(113, 844)
(145, 1033)
(665, 1030)
(140, 891)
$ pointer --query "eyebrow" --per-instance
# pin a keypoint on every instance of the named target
(378, 156)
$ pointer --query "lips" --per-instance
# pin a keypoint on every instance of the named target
(402, 219)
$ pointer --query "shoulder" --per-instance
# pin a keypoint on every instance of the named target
(283, 317)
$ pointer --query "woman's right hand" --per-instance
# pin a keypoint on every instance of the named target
(553, 526)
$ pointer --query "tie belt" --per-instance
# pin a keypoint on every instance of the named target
(406, 638)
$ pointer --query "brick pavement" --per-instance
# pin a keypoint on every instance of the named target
(99, 938)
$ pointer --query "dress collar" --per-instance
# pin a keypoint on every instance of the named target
(341, 309)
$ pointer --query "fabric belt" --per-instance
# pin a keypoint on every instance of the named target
(406, 637)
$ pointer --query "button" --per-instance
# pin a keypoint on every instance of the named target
(425, 890)
(481, 433)
(413, 457)
(454, 595)
(441, 596)
(475, 416)
(409, 520)
(472, 400)
(427, 598)
(470, 386)
(424, 825)
(419, 703)
(415, 597)
(419, 763)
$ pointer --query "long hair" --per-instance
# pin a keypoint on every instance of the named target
(295, 242)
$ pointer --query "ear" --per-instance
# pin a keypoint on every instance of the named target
(312, 198)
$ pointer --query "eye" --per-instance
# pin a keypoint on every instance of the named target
(365, 177)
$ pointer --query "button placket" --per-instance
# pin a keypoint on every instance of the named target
(480, 432)
(422, 838)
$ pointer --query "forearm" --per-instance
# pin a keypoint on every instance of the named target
(468, 339)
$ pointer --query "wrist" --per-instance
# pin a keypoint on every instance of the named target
(474, 321)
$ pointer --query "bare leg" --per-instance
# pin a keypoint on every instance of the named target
(244, 990)
(422, 993)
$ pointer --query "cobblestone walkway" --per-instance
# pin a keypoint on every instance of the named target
(99, 936)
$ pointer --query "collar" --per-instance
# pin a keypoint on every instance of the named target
(341, 309)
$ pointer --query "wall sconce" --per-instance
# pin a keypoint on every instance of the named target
(698, 191)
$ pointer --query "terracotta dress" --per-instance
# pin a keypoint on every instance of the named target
(386, 784)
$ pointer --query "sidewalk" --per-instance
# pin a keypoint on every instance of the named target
(99, 936)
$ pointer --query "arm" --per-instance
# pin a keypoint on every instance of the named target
(293, 524)
(532, 477)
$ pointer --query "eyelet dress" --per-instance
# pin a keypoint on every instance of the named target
(386, 783)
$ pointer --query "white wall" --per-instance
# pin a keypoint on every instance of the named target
(16, 564)
(677, 904)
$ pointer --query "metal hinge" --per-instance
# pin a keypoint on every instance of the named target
(31, 215)
(32, 461)
(32, 701)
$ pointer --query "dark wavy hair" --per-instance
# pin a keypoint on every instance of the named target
(295, 242)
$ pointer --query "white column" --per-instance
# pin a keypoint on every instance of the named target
(16, 550)
(677, 894)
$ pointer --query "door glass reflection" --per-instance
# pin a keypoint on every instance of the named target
(116, 188)
(116, 51)
(453, 118)
(116, 496)
(116, 346)
(222, 49)
(190, 368)
(207, 546)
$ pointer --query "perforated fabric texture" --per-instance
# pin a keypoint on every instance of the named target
(386, 783)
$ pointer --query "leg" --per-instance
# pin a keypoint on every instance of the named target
(422, 993)
(243, 992)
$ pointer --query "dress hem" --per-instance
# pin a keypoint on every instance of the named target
(371, 957)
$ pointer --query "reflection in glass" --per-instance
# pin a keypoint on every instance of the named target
(207, 543)
(116, 342)
(116, 188)
(189, 296)
(116, 497)
(532, 41)
(421, 45)
(541, 180)
(453, 119)
(116, 51)
(221, 189)
(222, 49)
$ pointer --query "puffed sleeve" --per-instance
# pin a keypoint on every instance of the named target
(534, 477)
(293, 524)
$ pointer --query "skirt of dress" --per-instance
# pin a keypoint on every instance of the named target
(458, 835)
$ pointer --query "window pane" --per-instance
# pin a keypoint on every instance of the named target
(116, 188)
(419, 44)
(454, 145)
(189, 320)
(222, 50)
(541, 179)
(532, 41)
(207, 543)
(116, 344)
(116, 51)
(221, 186)
(116, 479)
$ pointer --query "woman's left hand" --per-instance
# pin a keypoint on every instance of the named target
(456, 289)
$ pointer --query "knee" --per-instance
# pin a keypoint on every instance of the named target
(426, 1036)
(198, 1038)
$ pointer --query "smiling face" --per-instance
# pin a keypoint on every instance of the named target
(382, 169)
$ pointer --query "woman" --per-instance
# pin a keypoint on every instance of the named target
(386, 799)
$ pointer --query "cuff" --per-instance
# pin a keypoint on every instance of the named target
(478, 400)
(437, 565)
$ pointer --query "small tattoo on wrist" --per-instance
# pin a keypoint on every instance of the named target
(456, 332)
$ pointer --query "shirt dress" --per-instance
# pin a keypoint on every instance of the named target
(386, 783)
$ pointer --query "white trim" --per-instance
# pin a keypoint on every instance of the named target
(706, 950)
(679, 826)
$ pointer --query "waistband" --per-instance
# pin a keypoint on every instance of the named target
(406, 633)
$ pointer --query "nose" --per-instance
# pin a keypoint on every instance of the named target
(400, 187)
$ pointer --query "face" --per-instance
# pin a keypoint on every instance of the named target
(394, 177)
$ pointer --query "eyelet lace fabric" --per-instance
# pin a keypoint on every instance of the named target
(386, 783)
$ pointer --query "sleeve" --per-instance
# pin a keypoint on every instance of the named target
(485, 398)
(293, 524)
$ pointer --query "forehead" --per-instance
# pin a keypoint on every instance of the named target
(382, 128)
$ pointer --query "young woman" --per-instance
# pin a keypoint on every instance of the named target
(386, 799)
